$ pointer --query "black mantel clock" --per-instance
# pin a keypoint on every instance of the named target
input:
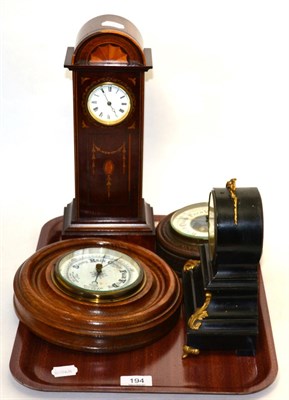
(221, 291)
(108, 65)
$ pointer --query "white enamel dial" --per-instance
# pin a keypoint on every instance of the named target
(98, 272)
(191, 221)
(109, 103)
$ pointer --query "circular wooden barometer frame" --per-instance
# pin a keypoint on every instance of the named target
(176, 248)
(101, 327)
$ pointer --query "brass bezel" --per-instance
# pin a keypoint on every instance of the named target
(101, 121)
(176, 214)
(99, 296)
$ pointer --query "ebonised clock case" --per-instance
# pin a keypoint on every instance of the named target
(221, 291)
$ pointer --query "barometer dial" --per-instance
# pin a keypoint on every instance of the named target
(99, 273)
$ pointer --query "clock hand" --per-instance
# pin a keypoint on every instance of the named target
(113, 110)
(108, 102)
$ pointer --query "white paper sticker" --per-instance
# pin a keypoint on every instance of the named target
(136, 380)
(65, 370)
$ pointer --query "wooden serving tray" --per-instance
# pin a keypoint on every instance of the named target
(33, 359)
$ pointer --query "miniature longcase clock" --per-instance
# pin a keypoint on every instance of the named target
(221, 291)
(108, 65)
(102, 294)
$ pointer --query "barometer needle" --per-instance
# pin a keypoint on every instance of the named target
(111, 262)
(98, 268)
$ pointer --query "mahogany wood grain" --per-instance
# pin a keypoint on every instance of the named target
(174, 248)
(111, 326)
(33, 358)
(108, 49)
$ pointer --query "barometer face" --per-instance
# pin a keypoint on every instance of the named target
(109, 103)
(98, 273)
(192, 221)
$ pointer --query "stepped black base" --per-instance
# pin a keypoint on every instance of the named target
(219, 316)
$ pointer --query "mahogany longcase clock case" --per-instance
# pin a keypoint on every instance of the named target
(108, 67)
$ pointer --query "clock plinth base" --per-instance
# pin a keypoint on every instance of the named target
(140, 231)
(221, 313)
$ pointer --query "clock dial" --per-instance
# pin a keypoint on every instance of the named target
(98, 273)
(212, 227)
(109, 103)
(192, 221)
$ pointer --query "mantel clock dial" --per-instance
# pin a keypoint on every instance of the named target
(180, 233)
(108, 65)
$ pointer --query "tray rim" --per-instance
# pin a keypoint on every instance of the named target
(50, 233)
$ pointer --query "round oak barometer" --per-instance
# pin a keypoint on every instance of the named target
(99, 296)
